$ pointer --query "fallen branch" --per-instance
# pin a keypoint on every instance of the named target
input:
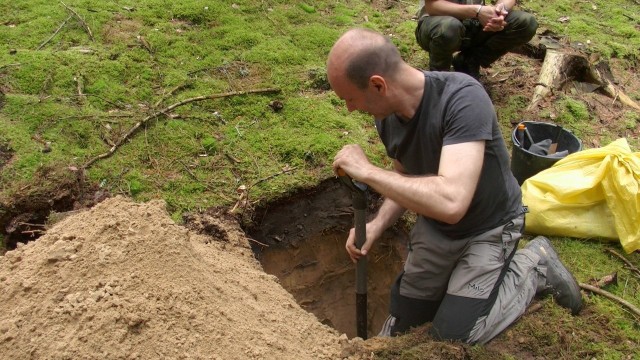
(627, 262)
(82, 22)
(610, 296)
(602, 73)
(171, 92)
(54, 33)
(167, 110)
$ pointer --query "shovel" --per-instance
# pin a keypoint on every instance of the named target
(359, 200)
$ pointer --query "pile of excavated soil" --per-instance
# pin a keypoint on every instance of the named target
(123, 281)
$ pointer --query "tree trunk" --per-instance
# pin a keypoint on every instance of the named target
(560, 67)
(557, 69)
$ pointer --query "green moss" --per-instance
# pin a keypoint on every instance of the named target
(573, 114)
(631, 119)
(307, 8)
(209, 144)
(601, 24)
(197, 160)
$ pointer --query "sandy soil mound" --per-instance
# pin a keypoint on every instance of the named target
(123, 281)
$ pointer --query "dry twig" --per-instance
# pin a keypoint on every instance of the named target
(610, 296)
(533, 308)
(82, 22)
(627, 262)
(165, 111)
(79, 87)
(171, 92)
(30, 224)
(33, 233)
(284, 171)
(186, 168)
(257, 242)
(55, 32)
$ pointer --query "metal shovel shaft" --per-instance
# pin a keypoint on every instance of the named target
(359, 202)
(360, 206)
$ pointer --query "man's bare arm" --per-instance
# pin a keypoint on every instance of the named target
(445, 196)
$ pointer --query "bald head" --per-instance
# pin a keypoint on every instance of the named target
(360, 53)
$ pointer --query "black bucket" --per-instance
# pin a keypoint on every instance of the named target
(525, 164)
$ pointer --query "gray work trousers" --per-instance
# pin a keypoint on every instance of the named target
(470, 289)
(442, 36)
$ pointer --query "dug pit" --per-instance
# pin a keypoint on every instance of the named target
(301, 241)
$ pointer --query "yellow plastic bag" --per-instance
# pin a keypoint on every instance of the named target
(590, 193)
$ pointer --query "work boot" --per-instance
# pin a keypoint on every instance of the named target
(557, 281)
(466, 64)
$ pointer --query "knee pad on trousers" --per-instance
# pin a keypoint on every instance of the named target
(409, 312)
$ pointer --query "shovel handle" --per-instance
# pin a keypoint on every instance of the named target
(359, 201)
(353, 185)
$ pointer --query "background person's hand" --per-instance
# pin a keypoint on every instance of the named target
(495, 24)
(501, 10)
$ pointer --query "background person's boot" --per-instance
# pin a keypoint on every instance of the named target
(467, 64)
(559, 281)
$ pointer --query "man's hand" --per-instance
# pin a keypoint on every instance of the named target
(373, 233)
(501, 9)
(493, 18)
(352, 160)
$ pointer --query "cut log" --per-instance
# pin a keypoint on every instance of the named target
(558, 68)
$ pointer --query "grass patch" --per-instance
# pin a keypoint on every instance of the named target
(598, 26)
(83, 95)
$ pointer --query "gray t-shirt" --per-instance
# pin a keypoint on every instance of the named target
(456, 109)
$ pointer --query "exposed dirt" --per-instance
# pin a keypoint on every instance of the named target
(123, 281)
(304, 239)
(6, 153)
(24, 213)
